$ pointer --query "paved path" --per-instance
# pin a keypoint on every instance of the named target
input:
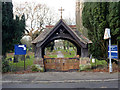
(83, 85)
(60, 76)
(60, 55)
(61, 80)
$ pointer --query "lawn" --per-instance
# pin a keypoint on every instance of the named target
(68, 53)
(99, 63)
(16, 66)
(52, 56)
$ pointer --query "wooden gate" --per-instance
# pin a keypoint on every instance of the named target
(61, 64)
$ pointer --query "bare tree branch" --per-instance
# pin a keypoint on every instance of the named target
(37, 16)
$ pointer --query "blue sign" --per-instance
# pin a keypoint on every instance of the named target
(114, 52)
(20, 49)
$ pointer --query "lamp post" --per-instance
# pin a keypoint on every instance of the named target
(108, 36)
(110, 63)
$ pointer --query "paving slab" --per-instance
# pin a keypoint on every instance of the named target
(59, 77)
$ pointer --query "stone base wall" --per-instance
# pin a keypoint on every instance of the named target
(39, 61)
(84, 60)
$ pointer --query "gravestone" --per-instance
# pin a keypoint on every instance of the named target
(27, 57)
(22, 57)
(15, 59)
(9, 59)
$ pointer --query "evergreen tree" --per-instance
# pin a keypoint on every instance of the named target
(7, 26)
(96, 17)
(12, 30)
(114, 21)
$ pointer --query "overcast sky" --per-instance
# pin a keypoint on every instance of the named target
(68, 5)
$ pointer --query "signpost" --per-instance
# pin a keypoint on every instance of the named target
(114, 52)
(108, 36)
(20, 50)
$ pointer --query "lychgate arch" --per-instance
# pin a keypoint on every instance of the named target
(62, 38)
(61, 31)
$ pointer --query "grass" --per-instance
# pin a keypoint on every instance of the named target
(20, 64)
(53, 56)
(67, 54)
(99, 63)
(29, 62)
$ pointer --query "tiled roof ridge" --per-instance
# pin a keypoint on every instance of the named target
(46, 32)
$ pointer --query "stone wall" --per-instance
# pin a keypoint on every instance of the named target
(85, 60)
(39, 61)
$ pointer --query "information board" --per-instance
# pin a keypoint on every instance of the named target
(20, 49)
(114, 52)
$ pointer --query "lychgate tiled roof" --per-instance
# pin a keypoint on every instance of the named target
(49, 29)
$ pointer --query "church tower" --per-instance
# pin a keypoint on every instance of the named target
(79, 25)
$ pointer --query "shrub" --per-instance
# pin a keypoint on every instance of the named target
(37, 68)
(98, 64)
(85, 67)
(34, 68)
(5, 66)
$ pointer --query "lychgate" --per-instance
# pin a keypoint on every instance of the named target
(61, 31)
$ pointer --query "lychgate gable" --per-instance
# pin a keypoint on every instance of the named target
(61, 31)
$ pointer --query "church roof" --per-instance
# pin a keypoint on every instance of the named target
(49, 29)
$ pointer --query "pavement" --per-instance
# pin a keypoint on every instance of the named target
(83, 85)
(60, 55)
(61, 80)
(43, 77)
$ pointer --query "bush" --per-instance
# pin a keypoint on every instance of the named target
(5, 66)
(98, 64)
(85, 67)
(37, 68)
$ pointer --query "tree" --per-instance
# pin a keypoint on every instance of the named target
(27, 41)
(70, 21)
(37, 16)
(96, 17)
(12, 29)
(50, 46)
(114, 21)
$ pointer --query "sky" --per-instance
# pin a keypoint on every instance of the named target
(67, 5)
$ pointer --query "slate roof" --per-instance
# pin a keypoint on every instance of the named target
(49, 29)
